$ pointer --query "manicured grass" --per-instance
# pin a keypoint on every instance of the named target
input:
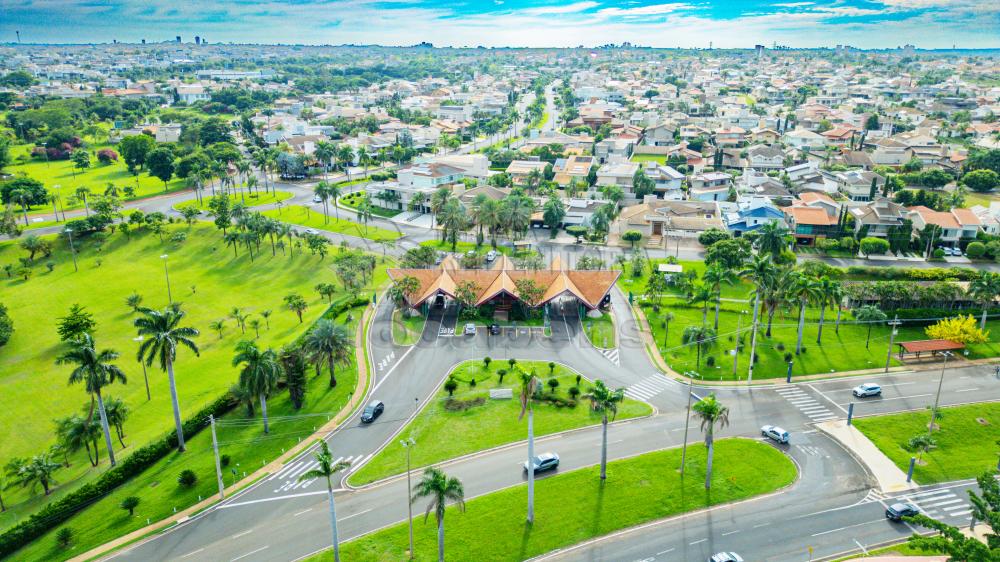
(204, 277)
(248, 199)
(96, 178)
(304, 216)
(658, 158)
(601, 331)
(406, 330)
(902, 549)
(965, 447)
(491, 424)
(246, 445)
(352, 200)
(637, 285)
(576, 506)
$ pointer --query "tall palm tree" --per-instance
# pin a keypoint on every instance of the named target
(804, 289)
(714, 277)
(773, 238)
(758, 272)
(985, 289)
(39, 470)
(775, 294)
(333, 192)
(701, 294)
(326, 469)
(260, 373)
(328, 342)
(488, 216)
(870, 315)
(322, 190)
(831, 293)
(529, 385)
(453, 221)
(440, 489)
(324, 152)
(711, 412)
(95, 370)
(605, 400)
(346, 155)
(162, 334)
(439, 199)
(702, 337)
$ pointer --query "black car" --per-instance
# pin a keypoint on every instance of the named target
(897, 511)
(494, 329)
(373, 410)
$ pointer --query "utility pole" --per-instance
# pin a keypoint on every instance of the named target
(218, 465)
(407, 443)
(736, 351)
(753, 337)
(687, 421)
(892, 335)
(937, 397)
(166, 274)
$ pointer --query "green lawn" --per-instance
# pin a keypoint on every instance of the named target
(637, 285)
(204, 277)
(246, 446)
(304, 216)
(658, 158)
(575, 506)
(250, 200)
(352, 200)
(491, 424)
(61, 173)
(902, 549)
(966, 447)
(406, 330)
(601, 331)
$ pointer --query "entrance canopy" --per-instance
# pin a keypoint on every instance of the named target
(589, 287)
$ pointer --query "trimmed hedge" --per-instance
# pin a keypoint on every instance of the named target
(59, 511)
(55, 513)
(915, 274)
(917, 316)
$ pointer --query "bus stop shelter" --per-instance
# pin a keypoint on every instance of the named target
(934, 347)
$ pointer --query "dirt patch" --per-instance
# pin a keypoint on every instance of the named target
(982, 421)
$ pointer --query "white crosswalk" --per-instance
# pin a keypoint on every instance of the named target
(287, 479)
(941, 504)
(647, 388)
(806, 403)
(612, 355)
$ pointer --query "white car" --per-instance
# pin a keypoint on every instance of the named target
(311, 231)
(775, 433)
(726, 557)
(867, 389)
(491, 255)
(470, 329)
(543, 462)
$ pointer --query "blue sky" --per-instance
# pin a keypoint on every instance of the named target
(539, 23)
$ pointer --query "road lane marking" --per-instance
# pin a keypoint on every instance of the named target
(967, 389)
(904, 397)
(244, 533)
(192, 553)
(265, 547)
(847, 527)
(828, 399)
(355, 514)
(301, 512)
(698, 541)
(664, 551)
(730, 533)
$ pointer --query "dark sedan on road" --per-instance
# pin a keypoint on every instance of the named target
(372, 411)
(897, 511)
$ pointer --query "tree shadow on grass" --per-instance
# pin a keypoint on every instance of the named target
(598, 509)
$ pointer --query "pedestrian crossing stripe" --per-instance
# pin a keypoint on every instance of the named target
(612, 355)
(292, 472)
(648, 387)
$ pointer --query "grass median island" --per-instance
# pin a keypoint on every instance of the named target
(353, 200)
(474, 422)
(248, 199)
(601, 331)
(406, 330)
(242, 440)
(304, 216)
(966, 441)
(574, 506)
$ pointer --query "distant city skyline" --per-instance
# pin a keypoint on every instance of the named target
(867, 24)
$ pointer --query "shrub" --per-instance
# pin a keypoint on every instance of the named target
(712, 235)
(486, 362)
(710, 360)
(187, 478)
(501, 373)
(788, 357)
(455, 405)
(552, 368)
(872, 245)
(129, 504)
(975, 250)
(472, 382)
(962, 329)
(849, 244)
(938, 253)
(780, 346)
(451, 385)
(64, 537)
(578, 379)
(224, 460)
(574, 392)
(107, 156)
(553, 384)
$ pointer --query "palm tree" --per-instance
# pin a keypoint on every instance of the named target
(870, 315)
(701, 336)
(260, 373)
(162, 334)
(439, 199)
(714, 277)
(805, 289)
(985, 289)
(773, 238)
(711, 412)
(440, 489)
(529, 385)
(94, 369)
(218, 326)
(322, 190)
(831, 293)
(704, 295)
(775, 294)
(346, 155)
(118, 413)
(333, 192)
(76, 432)
(328, 342)
(324, 152)
(604, 400)
(453, 221)
(326, 469)
(38, 470)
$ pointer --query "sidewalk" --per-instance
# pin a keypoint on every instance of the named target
(181, 516)
(889, 477)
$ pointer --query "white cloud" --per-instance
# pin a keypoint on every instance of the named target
(567, 9)
(651, 10)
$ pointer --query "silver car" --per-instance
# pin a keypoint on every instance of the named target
(543, 462)
(867, 389)
(726, 557)
(775, 433)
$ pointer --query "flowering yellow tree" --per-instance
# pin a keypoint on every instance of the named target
(960, 329)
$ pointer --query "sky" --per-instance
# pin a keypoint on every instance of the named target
(517, 23)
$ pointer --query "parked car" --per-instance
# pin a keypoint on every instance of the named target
(494, 329)
(867, 389)
(897, 511)
(470, 329)
(317, 199)
(311, 231)
(775, 433)
(543, 462)
(372, 411)
(491, 255)
(726, 557)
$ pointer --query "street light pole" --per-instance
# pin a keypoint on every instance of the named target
(143, 363)
(687, 420)
(72, 249)
(736, 350)
(166, 273)
(753, 337)
(409, 505)
(892, 335)
(937, 397)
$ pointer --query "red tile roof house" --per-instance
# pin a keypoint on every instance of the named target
(954, 225)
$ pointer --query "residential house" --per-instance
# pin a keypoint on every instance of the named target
(808, 222)
(763, 158)
(659, 135)
(572, 168)
(667, 182)
(657, 219)
(617, 173)
(710, 186)
(190, 93)
(890, 152)
(729, 136)
(751, 214)
(804, 139)
(875, 218)
(952, 226)
(857, 184)
(520, 170)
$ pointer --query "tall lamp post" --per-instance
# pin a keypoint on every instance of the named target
(166, 274)
(937, 397)
(687, 420)
(143, 363)
(72, 249)
(407, 444)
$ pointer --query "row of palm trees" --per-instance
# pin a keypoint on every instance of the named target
(510, 216)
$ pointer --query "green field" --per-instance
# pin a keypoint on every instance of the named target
(966, 441)
(658, 158)
(575, 506)
(61, 173)
(407, 330)
(490, 424)
(902, 549)
(248, 199)
(637, 285)
(304, 216)
(353, 199)
(204, 277)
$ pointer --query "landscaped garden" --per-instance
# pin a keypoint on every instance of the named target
(354, 200)
(600, 331)
(227, 298)
(575, 506)
(475, 422)
(406, 329)
(962, 445)
(304, 216)
(254, 199)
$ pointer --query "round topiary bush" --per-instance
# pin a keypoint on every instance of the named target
(187, 478)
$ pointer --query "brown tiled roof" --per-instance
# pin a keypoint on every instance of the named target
(929, 345)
